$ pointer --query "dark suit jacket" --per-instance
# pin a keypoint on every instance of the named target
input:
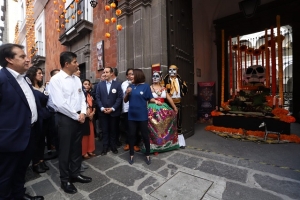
(113, 99)
(15, 114)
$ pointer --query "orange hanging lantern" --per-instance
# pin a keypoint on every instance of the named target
(106, 21)
(113, 5)
(107, 35)
(107, 7)
(79, 12)
(119, 27)
(67, 21)
(113, 19)
(73, 16)
(118, 12)
(72, 6)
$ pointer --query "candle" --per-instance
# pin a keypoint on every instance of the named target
(279, 101)
(230, 91)
(274, 101)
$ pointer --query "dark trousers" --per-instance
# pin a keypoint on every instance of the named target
(13, 167)
(39, 144)
(126, 129)
(179, 117)
(141, 126)
(109, 128)
(69, 154)
(50, 129)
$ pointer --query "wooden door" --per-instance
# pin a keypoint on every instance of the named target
(180, 53)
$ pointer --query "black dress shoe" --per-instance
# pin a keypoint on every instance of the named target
(68, 187)
(38, 168)
(28, 197)
(81, 179)
(118, 143)
(182, 147)
(114, 150)
(104, 152)
(131, 161)
(148, 160)
(44, 166)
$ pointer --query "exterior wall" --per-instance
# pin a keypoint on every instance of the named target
(52, 46)
(143, 41)
(98, 34)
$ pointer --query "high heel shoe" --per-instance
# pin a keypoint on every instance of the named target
(131, 161)
(148, 160)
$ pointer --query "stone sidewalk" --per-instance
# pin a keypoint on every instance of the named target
(189, 173)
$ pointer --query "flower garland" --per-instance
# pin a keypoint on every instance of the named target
(215, 113)
(291, 138)
(283, 115)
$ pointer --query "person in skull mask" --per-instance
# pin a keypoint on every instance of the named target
(177, 89)
(161, 119)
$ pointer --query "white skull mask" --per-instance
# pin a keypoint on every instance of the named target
(172, 72)
(155, 77)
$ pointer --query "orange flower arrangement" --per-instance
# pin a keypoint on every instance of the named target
(119, 27)
(113, 5)
(260, 134)
(106, 21)
(118, 12)
(215, 113)
(281, 38)
(243, 48)
(107, 35)
(249, 51)
(283, 115)
(280, 111)
(235, 47)
(113, 20)
(107, 7)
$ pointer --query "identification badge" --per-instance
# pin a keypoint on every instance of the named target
(113, 90)
(28, 80)
(141, 92)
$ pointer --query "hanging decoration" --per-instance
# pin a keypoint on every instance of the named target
(30, 33)
(111, 7)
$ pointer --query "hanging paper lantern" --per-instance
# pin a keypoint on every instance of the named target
(72, 6)
(73, 16)
(79, 12)
(107, 35)
(107, 7)
(113, 19)
(106, 21)
(118, 12)
(113, 5)
(119, 27)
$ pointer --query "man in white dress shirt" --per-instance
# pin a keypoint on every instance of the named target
(69, 100)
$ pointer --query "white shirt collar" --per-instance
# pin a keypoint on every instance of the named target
(14, 73)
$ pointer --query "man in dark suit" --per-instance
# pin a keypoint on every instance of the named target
(19, 107)
(109, 97)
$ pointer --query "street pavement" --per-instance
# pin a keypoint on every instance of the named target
(209, 168)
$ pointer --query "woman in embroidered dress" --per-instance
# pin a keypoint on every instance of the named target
(162, 119)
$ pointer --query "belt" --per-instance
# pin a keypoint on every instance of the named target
(32, 125)
(176, 100)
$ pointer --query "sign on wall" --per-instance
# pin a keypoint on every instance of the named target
(206, 100)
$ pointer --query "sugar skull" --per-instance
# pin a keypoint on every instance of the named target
(156, 77)
(254, 74)
(173, 70)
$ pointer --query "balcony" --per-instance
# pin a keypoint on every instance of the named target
(75, 23)
(39, 54)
